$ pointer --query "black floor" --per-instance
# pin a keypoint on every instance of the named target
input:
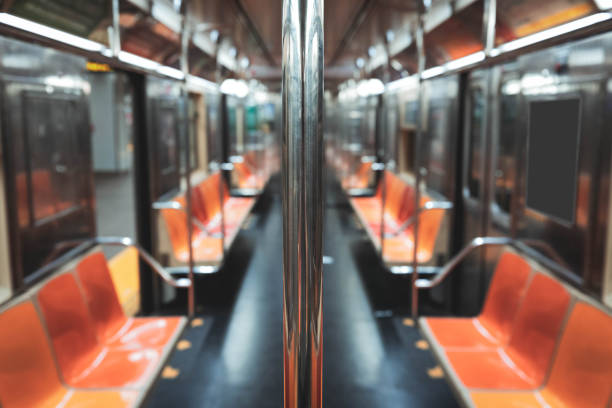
(234, 359)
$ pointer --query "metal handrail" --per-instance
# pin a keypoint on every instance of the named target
(479, 242)
(148, 258)
(127, 242)
(175, 205)
(429, 205)
(457, 259)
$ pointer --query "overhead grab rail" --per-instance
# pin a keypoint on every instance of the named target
(480, 242)
(127, 242)
(175, 205)
(428, 206)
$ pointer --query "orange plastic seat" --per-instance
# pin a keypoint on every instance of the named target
(245, 177)
(28, 377)
(398, 208)
(581, 374)
(206, 203)
(523, 363)
(112, 326)
(84, 361)
(492, 327)
(125, 273)
(361, 179)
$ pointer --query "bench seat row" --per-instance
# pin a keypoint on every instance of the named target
(67, 343)
(398, 208)
(536, 344)
(245, 174)
(361, 179)
(207, 243)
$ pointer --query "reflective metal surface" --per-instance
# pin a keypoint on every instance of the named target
(430, 205)
(302, 192)
(457, 259)
(148, 258)
(46, 153)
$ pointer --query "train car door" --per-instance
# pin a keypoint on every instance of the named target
(470, 282)
(47, 143)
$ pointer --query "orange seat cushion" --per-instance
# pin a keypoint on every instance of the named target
(28, 377)
(514, 399)
(113, 327)
(492, 326)
(519, 365)
(456, 333)
(399, 207)
(84, 361)
(582, 371)
(504, 296)
(581, 375)
(27, 373)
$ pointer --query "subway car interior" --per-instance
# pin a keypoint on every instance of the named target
(306, 203)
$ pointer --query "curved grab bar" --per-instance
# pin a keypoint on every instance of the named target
(127, 242)
(175, 205)
(429, 205)
(148, 258)
(457, 259)
(482, 242)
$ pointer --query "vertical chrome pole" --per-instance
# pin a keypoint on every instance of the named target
(382, 128)
(220, 128)
(115, 41)
(488, 26)
(420, 44)
(383, 187)
(302, 179)
(184, 64)
(488, 43)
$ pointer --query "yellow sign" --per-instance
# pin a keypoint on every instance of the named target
(98, 67)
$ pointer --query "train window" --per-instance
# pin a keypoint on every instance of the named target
(505, 170)
(476, 119)
(232, 128)
(391, 130)
(212, 125)
(552, 157)
(407, 135)
(438, 130)
(53, 183)
(167, 147)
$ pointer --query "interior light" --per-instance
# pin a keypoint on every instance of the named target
(555, 31)
(234, 87)
(201, 82)
(404, 82)
(397, 65)
(360, 62)
(512, 87)
(50, 33)
(171, 72)
(214, 35)
(61, 81)
(432, 72)
(390, 35)
(244, 62)
(604, 4)
(369, 87)
(138, 61)
(372, 51)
